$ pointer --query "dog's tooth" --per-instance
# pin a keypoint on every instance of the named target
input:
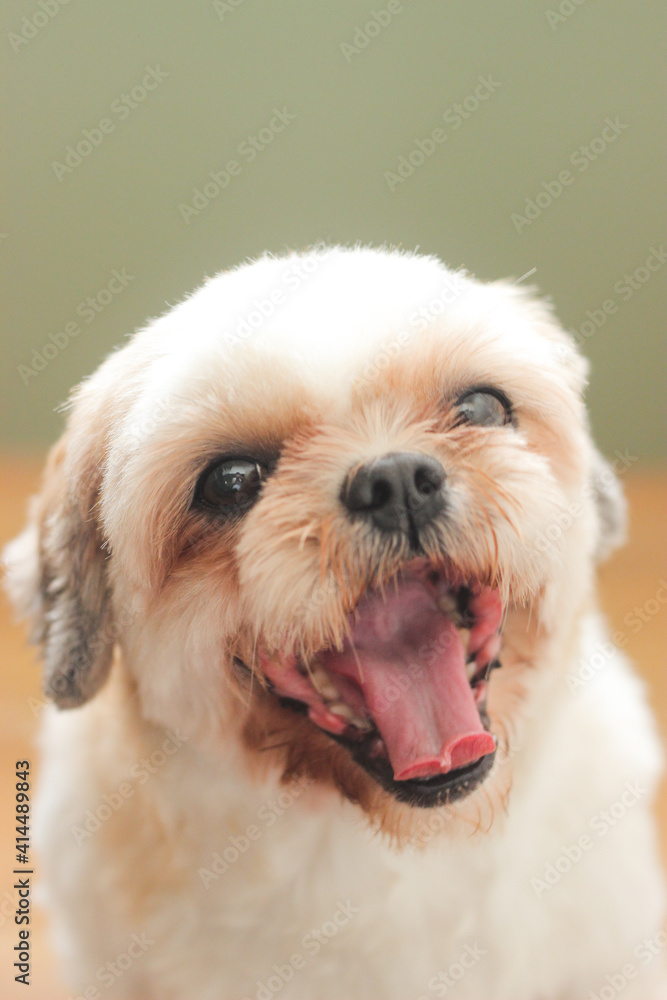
(464, 636)
(340, 708)
(447, 604)
(323, 682)
(345, 712)
(471, 669)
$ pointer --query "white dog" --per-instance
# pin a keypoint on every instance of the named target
(290, 531)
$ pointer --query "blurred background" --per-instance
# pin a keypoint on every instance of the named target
(520, 91)
(146, 145)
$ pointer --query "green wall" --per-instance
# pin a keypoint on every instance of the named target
(555, 71)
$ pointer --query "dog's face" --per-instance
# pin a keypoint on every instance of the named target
(317, 505)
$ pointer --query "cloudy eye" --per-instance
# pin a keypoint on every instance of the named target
(484, 408)
(231, 485)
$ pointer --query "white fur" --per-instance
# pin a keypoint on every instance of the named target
(418, 909)
(421, 906)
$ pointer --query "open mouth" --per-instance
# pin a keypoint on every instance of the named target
(406, 693)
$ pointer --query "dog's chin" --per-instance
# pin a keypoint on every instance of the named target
(423, 793)
(404, 694)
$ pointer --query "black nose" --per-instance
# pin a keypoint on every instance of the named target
(398, 492)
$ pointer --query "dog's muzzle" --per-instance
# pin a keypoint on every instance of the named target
(405, 692)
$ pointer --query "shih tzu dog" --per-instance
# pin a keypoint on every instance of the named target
(312, 571)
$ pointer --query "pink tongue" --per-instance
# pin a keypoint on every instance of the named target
(410, 664)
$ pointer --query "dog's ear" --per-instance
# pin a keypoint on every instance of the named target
(57, 576)
(611, 507)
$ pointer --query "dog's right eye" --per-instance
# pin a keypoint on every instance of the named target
(485, 407)
(231, 485)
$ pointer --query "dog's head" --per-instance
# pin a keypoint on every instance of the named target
(316, 505)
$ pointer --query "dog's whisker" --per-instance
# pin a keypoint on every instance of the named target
(274, 746)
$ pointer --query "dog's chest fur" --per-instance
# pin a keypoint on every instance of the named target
(237, 890)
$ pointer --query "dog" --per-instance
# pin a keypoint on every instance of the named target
(313, 575)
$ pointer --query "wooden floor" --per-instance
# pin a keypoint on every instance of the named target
(630, 581)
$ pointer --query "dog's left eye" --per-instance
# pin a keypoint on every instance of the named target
(232, 484)
(484, 408)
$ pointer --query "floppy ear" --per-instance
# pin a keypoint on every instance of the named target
(611, 507)
(57, 577)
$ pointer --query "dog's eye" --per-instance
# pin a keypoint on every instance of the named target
(232, 484)
(484, 408)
